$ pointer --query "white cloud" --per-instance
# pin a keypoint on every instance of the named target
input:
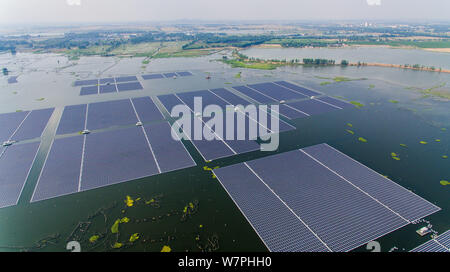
(78, 2)
(374, 2)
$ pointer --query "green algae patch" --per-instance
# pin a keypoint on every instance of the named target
(166, 249)
(40, 99)
(423, 142)
(94, 238)
(444, 182)
(115, 226)
(117, 245)
(238, 75)
(403, 145)
(124, 220)
(350, 131)
(350, 125)
(395, 156)
(134, 237)
(443, 129)
(393, 101)
(357, 104)
(325, 83)
(371, 86)
(438, 140)
(444, 156)
(129, 201)
(361, 139)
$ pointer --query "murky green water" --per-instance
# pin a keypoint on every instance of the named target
(384, 124)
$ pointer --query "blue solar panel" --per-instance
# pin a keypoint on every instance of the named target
(34, 125)
(230, 97)
(9, 122)
(61, 171)
(88, 90)
(168, 75)
(277, 226)
(340, 213)
(258, 97)
(12, 79)
(312, 107)
(170, 154)
(86, 82)
(107, 80)
(291, 113)
(388, 192)
(169, 101)
(275, 91)
(184, 73)
(126, 79)
(15, 164)
(439, 244)
(297, 88)
(146, 109)
(152, 76)
(110, 113)
(336, 102)
(129, 86)
(444, 239)
(73, 119)
(111, 88)
(116, 156)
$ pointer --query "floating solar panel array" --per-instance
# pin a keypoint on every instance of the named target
(319, 199)
(221, 147)
(108, 85)
(166, 75)
(102, 158)
(12, 79)
(438, 244)
(307, 103)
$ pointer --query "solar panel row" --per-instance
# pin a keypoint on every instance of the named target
(111, 80)
(111, 87)
(166, 75)
(438, 244)
(19, 126)
(331, 201)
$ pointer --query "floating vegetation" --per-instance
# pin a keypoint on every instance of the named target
(350, 131)
(15, 92)
(361, 139)
(78, 232)
(438, 140)
(190, 209)
(371, 86)
(115, 226)
(209, 244)
(117, 245)
(129, 201)
(444, 156)
(357, 104)
(166, 249)
(228, 83)
(94, 238)
(134, 237)
(393, 101)
(395, 156)
(403, 145)
(40, 99)
(350, 125)
(443, 129)
(238, 75)
(325, 83)
(444, 182)
(423, 142)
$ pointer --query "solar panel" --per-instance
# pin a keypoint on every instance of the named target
(9, 122)
(33, 126)
(170, 154)
(61, 171)
(297, 88)
(276, 91)
(15, 165)
(336, 102)
(275, 224)
(72, 120)
(152, 76)
(116, 156)
(107, 80)
(230, 97)
(258, 97)
(86, 82)
(168, 75)
(291, 113)
(126, 79)
(312, 107)
(110, 113)
(146, 109)
(111, 88)
(12, 79)
(184, 73)
(129, 86)
(88, 90)
(438, 244)
(340, 213)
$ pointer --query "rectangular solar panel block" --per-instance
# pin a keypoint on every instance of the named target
(15, 165)
(72, 120)
(152, 76)
(438, 244)
(277, 92)
(12, 79)
(444, 239)
(61, 171)
(110, 113)
(126, 79)
(297, 88)
(86, 82)
(312, 107)
(388, 192)
(129, 86)
(291, 113)
(116, 156)
(169, 101)
(184, 73)
(169, 75)
(9, 122)
(170, 153)
(34, 125)
(230, 97)
(111, 88)
(88, 90)
(336, 102)
(258, 97)
(107, 80)
(146, 109)
(275, 224)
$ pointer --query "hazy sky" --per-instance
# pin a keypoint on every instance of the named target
(41, 11)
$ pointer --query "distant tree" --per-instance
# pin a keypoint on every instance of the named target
(5, 71)
(344, 62)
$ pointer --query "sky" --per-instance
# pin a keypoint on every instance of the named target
(96, 11)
